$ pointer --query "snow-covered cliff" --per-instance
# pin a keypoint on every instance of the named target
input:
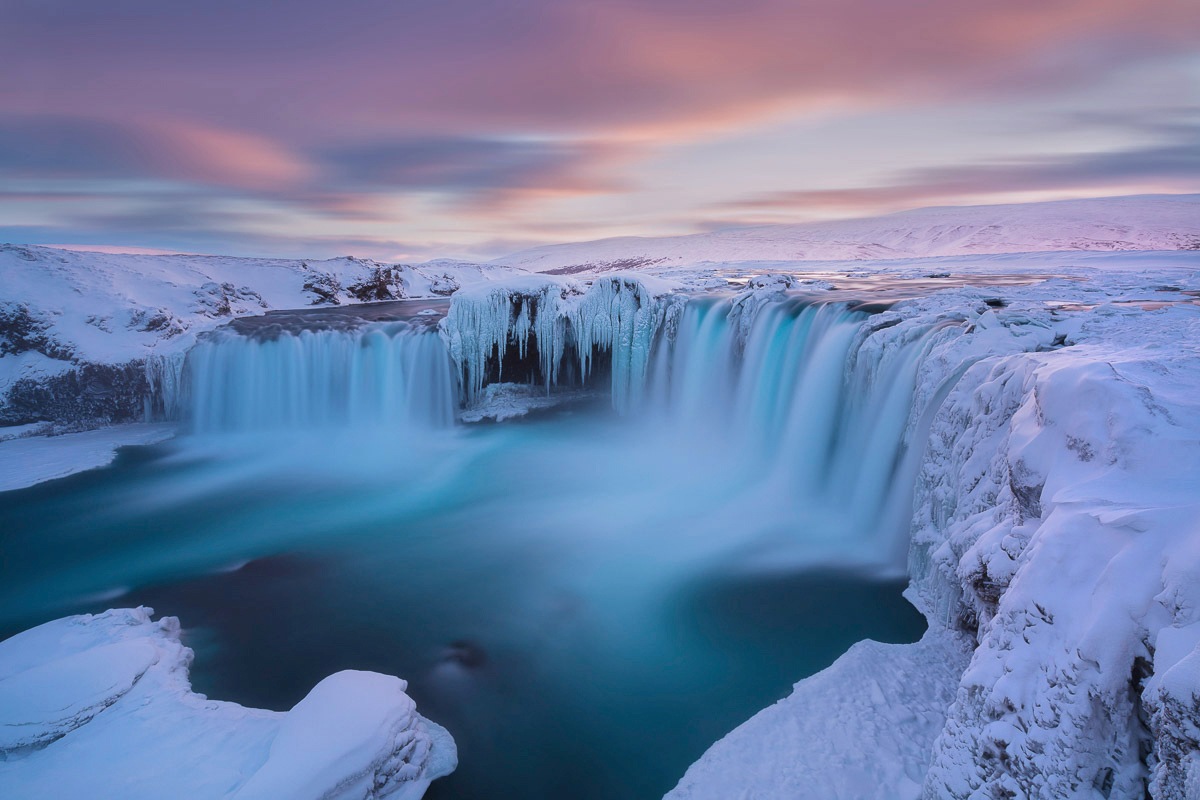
(1060, 500)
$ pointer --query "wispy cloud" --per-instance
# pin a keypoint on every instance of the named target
(1170, 165)
(205, 125)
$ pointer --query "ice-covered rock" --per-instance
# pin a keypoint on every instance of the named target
(100, 706)
(1059, 520)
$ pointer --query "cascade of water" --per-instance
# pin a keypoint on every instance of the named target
(384, 375)
(164, 379)
(808, 397)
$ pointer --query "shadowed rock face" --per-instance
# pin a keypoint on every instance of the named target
(22, 332)
(340, 318)
(87, 396)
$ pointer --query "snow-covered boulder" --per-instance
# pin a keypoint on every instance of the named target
(100, 706)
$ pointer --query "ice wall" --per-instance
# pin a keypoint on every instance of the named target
(384, 375)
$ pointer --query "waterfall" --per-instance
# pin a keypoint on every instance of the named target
(815, 400)
(383, 375)
(813, 406)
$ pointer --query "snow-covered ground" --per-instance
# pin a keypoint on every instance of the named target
(100, 706)
(1150, 222)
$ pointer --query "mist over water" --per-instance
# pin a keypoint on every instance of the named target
(585, 600)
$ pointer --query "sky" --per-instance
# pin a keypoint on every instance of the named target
(404, 130)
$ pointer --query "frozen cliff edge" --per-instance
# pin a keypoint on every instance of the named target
(1056, 555)
(1058, 520)
(100, 706)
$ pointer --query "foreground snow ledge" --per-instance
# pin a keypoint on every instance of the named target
(863, 728)
(100, 706)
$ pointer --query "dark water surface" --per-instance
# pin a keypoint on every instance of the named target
(584, 608)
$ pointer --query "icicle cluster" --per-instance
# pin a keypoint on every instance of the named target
(618, 314)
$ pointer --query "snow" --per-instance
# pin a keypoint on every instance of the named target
(100, 706)
(860, 729)
(1151, 222)
(29, 460)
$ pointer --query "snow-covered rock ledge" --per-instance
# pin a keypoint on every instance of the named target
(100, 706)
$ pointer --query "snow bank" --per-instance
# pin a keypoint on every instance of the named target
(862, 729)
(30, 460)
(100, 706)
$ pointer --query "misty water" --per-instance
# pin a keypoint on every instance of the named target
(585, 600)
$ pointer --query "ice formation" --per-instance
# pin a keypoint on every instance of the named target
(100, 706)
(618, 314)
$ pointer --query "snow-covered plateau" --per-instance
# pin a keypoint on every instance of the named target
(1016, 390)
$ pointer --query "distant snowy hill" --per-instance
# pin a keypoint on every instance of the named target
(1148, 222)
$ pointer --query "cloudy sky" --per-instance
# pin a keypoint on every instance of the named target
(407, 129)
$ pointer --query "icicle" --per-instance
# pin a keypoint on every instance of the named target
(618, 314)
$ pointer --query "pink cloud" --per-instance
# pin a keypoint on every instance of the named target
(317, 70)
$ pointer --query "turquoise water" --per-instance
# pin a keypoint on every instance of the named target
(584, 602)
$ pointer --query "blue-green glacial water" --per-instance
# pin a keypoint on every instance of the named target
(585, 601)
